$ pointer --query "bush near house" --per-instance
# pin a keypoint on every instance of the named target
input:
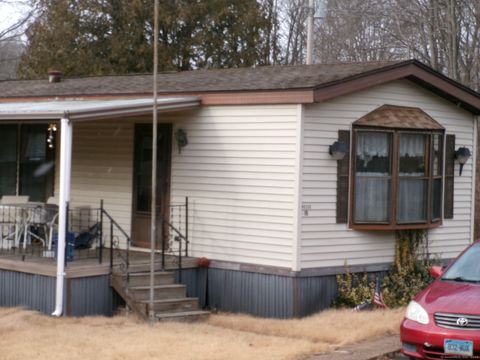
(408, 276)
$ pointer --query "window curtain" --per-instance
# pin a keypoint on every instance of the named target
(372, 200)
(411, 201)
(412, 155)
(370, 145)
(372, 184)
(411, 195)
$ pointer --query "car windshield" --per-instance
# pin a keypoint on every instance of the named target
(467, 267)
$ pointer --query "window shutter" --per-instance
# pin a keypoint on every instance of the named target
(343, 172)
(449, 177)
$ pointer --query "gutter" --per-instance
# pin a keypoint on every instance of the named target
(102, 111)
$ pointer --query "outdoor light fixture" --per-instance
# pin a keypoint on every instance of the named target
(52, 129)
(182, 139)
(338, 150)
(462, 155)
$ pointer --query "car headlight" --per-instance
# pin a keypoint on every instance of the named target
(417, 313)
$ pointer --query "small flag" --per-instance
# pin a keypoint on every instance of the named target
(378, 298)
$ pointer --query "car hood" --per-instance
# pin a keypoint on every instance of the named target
(451, 297)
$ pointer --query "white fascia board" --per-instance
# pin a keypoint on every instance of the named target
(80, 110)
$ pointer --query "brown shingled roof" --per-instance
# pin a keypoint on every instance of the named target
(399, 117)
(216, 80)
(260, 85)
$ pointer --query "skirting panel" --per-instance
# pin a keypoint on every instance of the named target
(90, 296)
(35, 292)
(84, 296)
(258, 294)
(255, 293)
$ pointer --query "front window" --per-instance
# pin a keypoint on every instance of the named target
(397, 178)
(26, 162)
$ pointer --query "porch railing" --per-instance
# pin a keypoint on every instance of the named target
(31, 230)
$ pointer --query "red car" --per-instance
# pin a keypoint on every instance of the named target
(443, 321)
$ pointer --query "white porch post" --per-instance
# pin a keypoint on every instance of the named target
(64, 198)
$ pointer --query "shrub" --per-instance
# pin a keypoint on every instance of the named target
(353, 289)
(408, 276)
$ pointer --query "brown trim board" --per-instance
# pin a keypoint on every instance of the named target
(282, 271)
(413, 71)
(302, 96)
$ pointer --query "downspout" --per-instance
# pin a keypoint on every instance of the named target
(64, 197)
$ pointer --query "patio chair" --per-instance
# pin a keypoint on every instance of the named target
(11, 222)
(14, 199)
(52, 200)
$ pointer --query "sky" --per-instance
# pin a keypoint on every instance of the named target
(10, 12)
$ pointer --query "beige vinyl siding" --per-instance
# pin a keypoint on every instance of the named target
(102, 159)
(325, 243)
(237, 170)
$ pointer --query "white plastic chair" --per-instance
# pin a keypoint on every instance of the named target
(13, 220)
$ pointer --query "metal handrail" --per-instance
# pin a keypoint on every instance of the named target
(179, 236)
(123, 232)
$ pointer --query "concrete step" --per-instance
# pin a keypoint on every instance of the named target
(184, 316)
(173, 305)
(161, 292)
(143, 278)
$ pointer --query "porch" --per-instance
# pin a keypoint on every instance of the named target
(29, 281)
(78, 240)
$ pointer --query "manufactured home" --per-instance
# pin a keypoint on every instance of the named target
(279, 176)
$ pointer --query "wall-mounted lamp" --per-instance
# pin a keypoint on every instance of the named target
(182, 139)
(338, 150)
(462, 155)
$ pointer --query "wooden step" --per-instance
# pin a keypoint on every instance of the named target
(117, 284)
(170, 264)
(184, 316)
(173, 305)
(143, 278)
(161, 292)
(144, 267)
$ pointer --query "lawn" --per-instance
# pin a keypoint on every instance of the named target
(30, 335)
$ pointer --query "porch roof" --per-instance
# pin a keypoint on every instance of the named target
(82, 110)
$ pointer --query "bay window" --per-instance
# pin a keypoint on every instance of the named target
(397, 178)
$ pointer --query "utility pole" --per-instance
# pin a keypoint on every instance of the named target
(153, 228)
(316, 10)
(311, 11)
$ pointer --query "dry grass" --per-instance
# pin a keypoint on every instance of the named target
(29, 335)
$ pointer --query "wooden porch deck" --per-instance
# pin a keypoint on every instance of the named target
(85, 267)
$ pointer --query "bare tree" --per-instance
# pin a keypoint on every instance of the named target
(291, 32)
(445, 34)
(11, 44)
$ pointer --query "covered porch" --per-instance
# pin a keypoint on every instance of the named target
(72, 185)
